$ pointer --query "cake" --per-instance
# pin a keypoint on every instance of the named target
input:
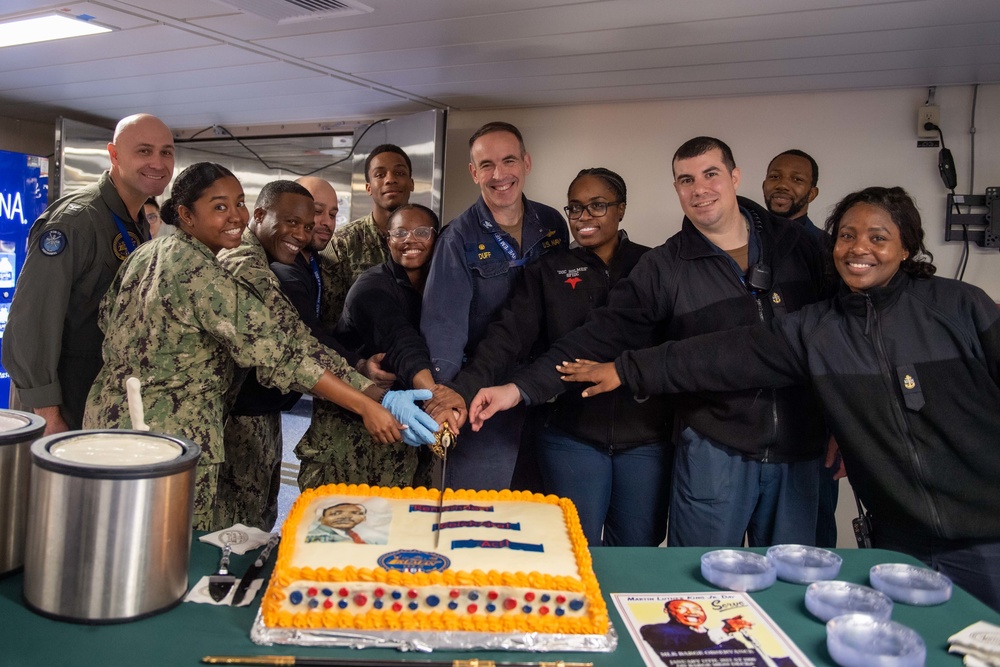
(369, 558)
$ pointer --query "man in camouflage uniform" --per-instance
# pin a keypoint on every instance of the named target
(250, 477)
(362, 244)
(281, 227)
(336, 448)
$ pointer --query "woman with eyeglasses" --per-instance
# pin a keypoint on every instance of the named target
(611, 458)
(382, 314)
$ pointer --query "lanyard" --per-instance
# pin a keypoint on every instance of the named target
(508, 250)
(319, 285)
(126, 239)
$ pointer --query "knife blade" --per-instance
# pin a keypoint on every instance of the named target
(445, 440)
(444, 471)
(220, 582)
(254, 569)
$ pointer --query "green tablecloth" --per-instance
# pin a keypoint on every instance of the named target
(182, 635)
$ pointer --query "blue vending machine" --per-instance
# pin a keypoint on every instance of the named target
(24, 194)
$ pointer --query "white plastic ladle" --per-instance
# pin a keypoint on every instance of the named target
(133, 390)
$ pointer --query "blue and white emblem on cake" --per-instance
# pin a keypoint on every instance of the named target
(411, 560)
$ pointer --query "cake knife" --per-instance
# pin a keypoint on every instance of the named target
(444, 471)
(254, 569)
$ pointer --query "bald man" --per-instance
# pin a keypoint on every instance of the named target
(52, 344)
(301, 281)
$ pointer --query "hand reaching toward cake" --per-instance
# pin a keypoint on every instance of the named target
(491, 400)
(603, 376)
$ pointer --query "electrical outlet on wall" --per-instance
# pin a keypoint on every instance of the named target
(928, 113)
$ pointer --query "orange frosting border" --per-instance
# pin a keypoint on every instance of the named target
(594, 622)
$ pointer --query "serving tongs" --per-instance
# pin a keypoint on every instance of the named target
(220, 583)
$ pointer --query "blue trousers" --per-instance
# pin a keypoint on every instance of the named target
(719, 496)
(484, 461)
(621, 495)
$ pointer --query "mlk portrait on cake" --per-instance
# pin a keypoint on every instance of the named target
(348, 522)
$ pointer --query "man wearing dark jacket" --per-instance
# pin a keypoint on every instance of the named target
(747, 462)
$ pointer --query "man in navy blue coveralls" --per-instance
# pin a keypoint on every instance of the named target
(476, 260)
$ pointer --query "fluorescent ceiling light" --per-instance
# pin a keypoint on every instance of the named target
(45, 28)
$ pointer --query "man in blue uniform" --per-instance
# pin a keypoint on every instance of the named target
(476, 260)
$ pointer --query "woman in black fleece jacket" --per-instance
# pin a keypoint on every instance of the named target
(907, 367)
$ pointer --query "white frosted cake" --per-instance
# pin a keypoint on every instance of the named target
(359, 557)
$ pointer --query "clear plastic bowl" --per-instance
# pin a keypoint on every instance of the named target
(803, 565)
(738, 570)
(829, 599)
(911, 584)
(857, 640)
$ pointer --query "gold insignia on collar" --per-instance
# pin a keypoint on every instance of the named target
(909, 382)
(775, 297)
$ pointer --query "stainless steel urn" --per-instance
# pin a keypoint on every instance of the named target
(109, 524)
(17, 431)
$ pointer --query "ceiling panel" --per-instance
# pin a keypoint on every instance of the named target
(199, 62)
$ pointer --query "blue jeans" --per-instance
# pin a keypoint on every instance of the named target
(621, 496)
(719, 495)
(484, 461)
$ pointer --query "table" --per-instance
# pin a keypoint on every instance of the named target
(182, 635)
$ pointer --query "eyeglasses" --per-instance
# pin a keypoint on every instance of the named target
(597, 209)
(419, 233)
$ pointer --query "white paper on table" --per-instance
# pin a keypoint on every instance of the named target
(240, 538)
(199, 593)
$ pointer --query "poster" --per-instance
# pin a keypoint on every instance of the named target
(718, 629)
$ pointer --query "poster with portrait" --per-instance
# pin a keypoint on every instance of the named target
(718, 629)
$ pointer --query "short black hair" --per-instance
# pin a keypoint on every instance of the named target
(270, 193)
(797, 153)
(701, 145)
(435, 221)
(386, 148)
(498, 126)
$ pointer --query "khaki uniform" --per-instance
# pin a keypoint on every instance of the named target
(337, 448)
(52, 343)
(177, 320)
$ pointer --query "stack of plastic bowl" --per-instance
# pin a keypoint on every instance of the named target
(738, 570)
(858, 640)
(911, 584)
(828, 599)
(803, 565)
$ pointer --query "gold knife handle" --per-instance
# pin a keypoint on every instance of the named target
(249, 660)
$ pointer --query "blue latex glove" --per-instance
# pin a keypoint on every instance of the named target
(420, 428)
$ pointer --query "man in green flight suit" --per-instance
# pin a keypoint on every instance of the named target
(52, 344)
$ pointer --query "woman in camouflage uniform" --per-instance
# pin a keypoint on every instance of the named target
(177, 320)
